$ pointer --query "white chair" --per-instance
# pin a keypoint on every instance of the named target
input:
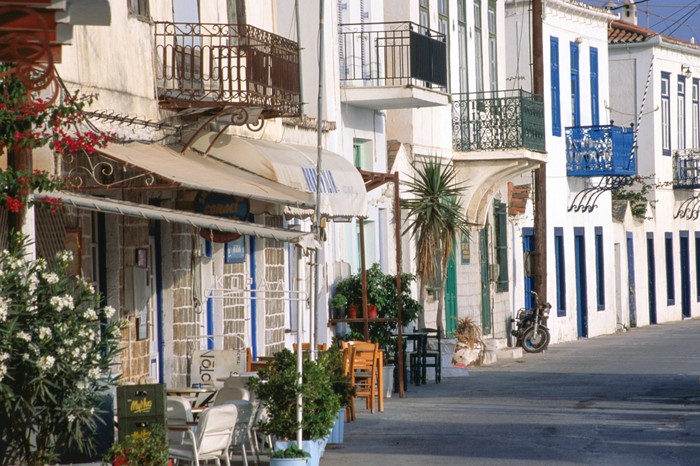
(225, 394)
(212, 438)
(178, 413)
(244, 424)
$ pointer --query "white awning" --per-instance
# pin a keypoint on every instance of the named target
(194, 171)
(343, 192)
(206, 222)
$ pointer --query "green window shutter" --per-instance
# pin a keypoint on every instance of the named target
(499, 213)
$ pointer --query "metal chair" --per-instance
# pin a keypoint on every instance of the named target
(243, 431)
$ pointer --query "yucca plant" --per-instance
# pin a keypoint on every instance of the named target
(435, 215)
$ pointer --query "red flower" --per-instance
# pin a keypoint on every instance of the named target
(14, 205)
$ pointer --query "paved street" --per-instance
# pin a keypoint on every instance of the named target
(625, 399)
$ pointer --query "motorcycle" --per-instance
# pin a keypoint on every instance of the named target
(529, 327)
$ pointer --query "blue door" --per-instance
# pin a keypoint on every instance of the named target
(685, 274)
(631, 282)
(651, 273)
(528, 247)
(581, 283)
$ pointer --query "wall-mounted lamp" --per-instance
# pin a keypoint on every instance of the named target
(578, 39)
(685, 69)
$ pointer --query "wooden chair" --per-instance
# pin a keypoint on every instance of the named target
(349, 369)
(255, 365)
(364, 374)
(307, 347)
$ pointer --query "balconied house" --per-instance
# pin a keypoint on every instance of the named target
(655, 85)
(189, 222)
(590, 153)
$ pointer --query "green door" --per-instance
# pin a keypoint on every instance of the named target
(485, 288)
(451, 297)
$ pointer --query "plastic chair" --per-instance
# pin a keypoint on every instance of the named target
(242, 433)
(226, 394)
(178, 413)
(212, 438)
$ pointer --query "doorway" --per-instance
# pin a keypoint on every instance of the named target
(685, 274)
(631, 286)
(581, 282)
(485, 282)
(651, 274)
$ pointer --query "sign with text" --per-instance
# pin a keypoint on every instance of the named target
(209, 365)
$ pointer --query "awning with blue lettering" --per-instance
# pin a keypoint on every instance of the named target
(343, 192)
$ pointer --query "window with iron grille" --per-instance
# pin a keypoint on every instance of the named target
(670, 280)
(501, 234)
(139, 9)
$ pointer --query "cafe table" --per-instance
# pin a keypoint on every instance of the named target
(193, 394)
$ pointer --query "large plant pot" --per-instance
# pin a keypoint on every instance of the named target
(372, 311)
(388, 374)
(338, 430)
(314, 447)
(353, 312)
(289, 461)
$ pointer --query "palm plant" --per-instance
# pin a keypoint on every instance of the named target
(435, 215)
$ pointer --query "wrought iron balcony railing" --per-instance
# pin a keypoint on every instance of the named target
(498, 120)
(392, 54)
(686, 169)
(202, 65)
(605, 150)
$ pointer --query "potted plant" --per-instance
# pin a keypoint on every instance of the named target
(143, 448)
(290, 456)
(338, 303)
(277, 387)
(351, 288)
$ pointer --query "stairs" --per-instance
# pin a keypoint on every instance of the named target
(498, 349)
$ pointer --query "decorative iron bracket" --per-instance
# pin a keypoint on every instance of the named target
(587, 199)
(690, 208)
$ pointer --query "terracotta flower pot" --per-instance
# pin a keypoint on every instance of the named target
(371, 311)
(352, 312)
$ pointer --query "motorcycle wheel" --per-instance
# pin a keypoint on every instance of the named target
(535, 342)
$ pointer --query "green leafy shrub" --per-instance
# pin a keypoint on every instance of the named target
(56, 348)
(277, 387)
(148, 448)
(292, 451)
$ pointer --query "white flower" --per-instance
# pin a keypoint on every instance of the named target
(33, 283)
(22, 335)
(81, 385)
(4, 306)
(109, 311)
(4, 357)
(46, 362)
(31, 309)
(71, 418)
(51, 278)
(44, 333)
(90, 314)
(3, 371)
(94, 373)
(62, 302)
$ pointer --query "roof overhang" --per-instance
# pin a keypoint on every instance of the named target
(205, 222)
(484, 173)
(342, 189)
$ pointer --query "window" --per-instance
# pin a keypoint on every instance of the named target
(556, 107)
(696, 113)
(595, 105)
(560, 270)
(670, 284)
(501, 234)
(424, 16)
(575, 92)
(697, 265)
(493, 55)
(139, 8)
(443, 20)
(665, 113)
(681, 112)
(362, 154)
(600, 267)
(479, 47)
(462, 38)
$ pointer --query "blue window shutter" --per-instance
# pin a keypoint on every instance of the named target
(595, 106)
(575, 94)
(556, 108)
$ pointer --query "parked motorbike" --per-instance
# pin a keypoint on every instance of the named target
(529, 328)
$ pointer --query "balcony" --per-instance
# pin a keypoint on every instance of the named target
(392, 65)
(226, 65)
(607, 150)
(686, 169)
(496, 136)
(497, 121)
